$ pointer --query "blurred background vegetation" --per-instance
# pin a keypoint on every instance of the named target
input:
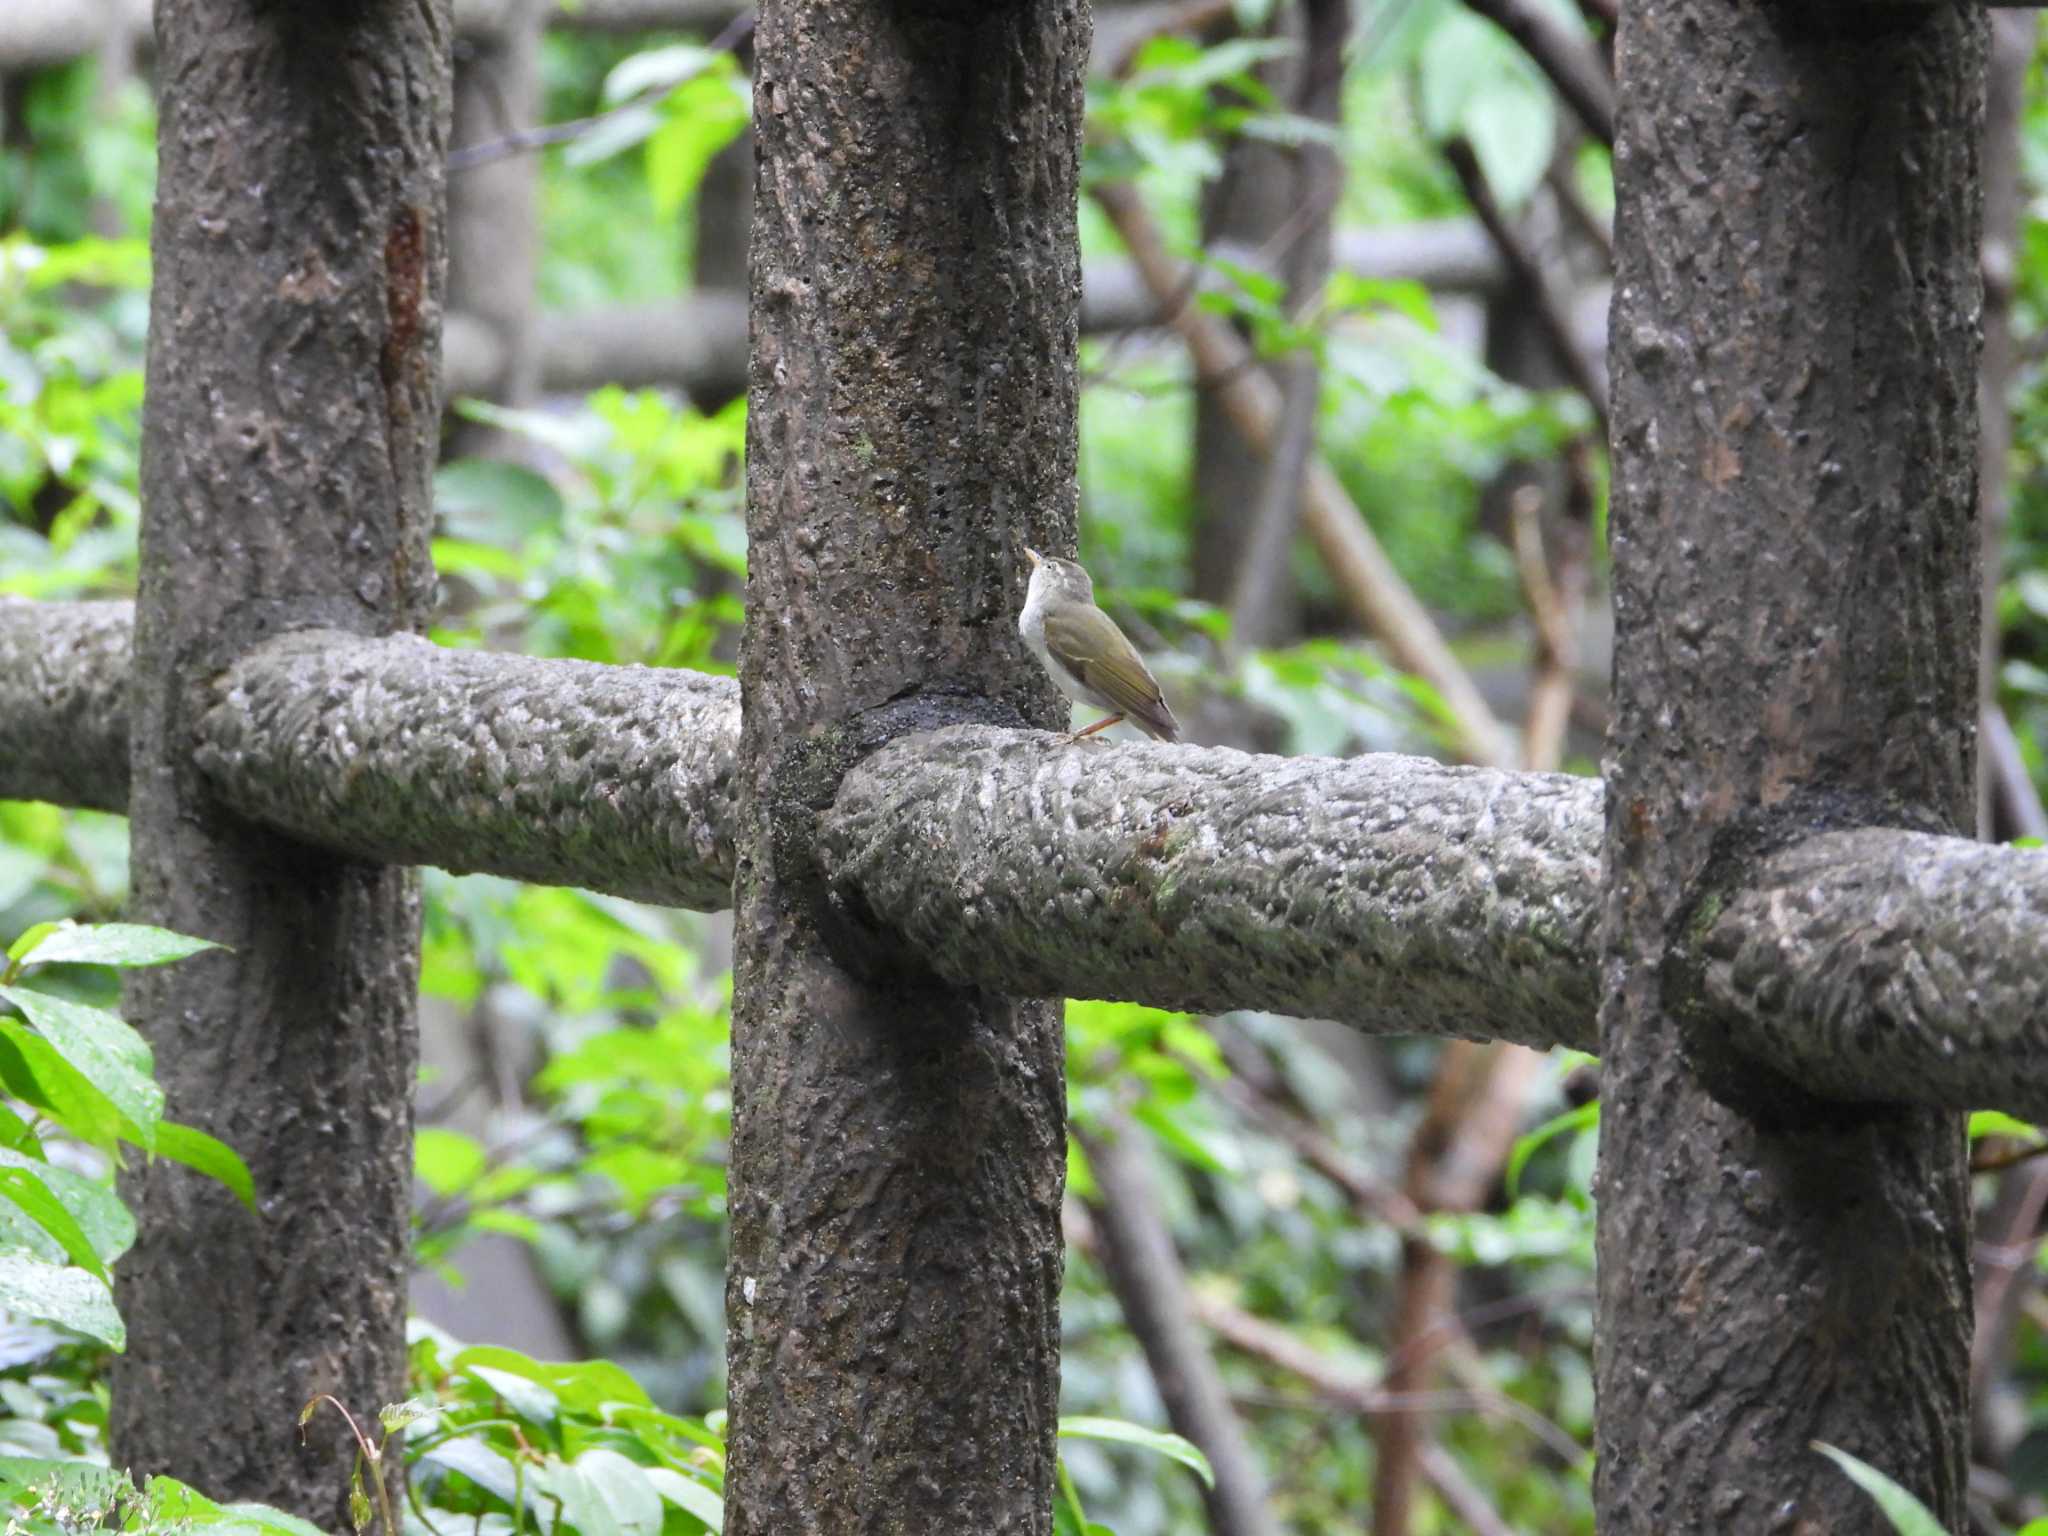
(1384, 1247)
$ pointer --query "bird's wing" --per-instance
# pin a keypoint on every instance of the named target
(1113, 670)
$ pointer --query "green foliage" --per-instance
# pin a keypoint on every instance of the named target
(1068, 1516)
(80, 1083)
(2022, 595)
(70, 394)
(684, 102)
(86, 1080)
(88, 156)
(1908, 1516)
(1178, 101)
(1473, 83)
(618, 200)
(500, 1439)
(631, 552)
(47, 1496)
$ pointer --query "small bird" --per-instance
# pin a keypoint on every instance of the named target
(1085, 654)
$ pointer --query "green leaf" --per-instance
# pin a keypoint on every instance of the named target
(584, 1386)
(446, 1161)
(1118, 1432)
(55, 1293)
(263, 1520)
(582, 1506)
(203, 1154)
(621, 1486)
(125, 944)
(172, 1505)
(490, 1471)
(494, 503)
(1996, 1122)
(81, 1485)
(1909, 1517)
(658, 69)
(1583, 1118)
(1069, 1518)
(37, 1201)
(107, 1223)
(29, 940)
(34, 1073)
(528, 1399)
(16, 1135)
(411, 1411)
(699, 118)
(359, 1512)
(689, 1495)
(1164, 1121)
(107, 1052)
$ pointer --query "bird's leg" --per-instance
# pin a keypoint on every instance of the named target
(1101, 725)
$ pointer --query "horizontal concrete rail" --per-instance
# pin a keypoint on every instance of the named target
(699, 343)
(1393, 894)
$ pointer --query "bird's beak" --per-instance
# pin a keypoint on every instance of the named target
(1031, 555)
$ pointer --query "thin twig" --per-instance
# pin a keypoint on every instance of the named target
(1567, 57)
(2019, 802)
(1467, 1500)
(2004, 1271)
(1365, 578)
(1552, 308)
(2004, 1160)
(1553, 605)
(1474, 1110)
(1367, 1194)
(1366, 1396)
(1596, 228)
(1318, 176)
(1144, 1269)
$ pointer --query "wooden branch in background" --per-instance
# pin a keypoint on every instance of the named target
(698, 343)
(1547, 298)
(1356, 1392)
(1136, 1250)
(1263, 573)
(1467, 1129)
(1555, 603)
(1366, 579)
(1566, 55)
(2014, 798)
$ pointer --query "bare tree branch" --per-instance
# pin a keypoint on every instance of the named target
(1144, 1269)
(1552, 305)
(1318, 180)
(1371, 587)
(2014, 799)
(699, 342)
(1566, 56)
(1468, 1125)
(1554, 604)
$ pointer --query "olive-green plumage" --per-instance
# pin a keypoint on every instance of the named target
(1085, 654)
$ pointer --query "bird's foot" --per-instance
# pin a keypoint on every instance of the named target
(1089, 730)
